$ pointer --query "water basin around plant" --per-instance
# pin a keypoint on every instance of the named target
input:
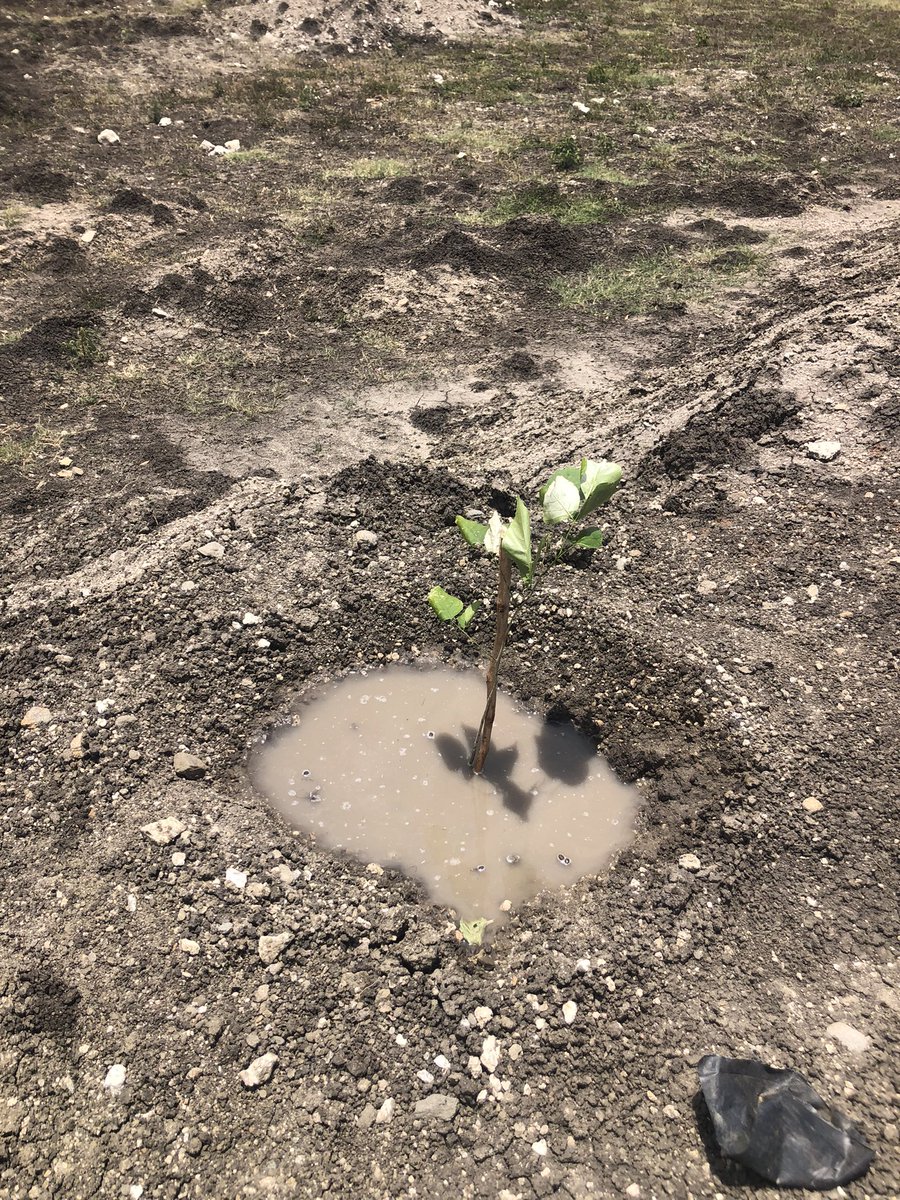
(375, 764)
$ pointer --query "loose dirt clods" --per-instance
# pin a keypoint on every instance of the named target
(351, 348)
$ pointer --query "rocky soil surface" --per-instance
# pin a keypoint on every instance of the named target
(217, 368)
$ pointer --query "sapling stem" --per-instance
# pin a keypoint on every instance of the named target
(501, 631)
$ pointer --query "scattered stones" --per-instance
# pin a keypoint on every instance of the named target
(188, 766)
(850, 1038)
(365, 539)
(259, 1071)
(385, 1114)
(213, 550)
(189, 946)
(812, 805)
(271, 945)
(823, 450)
(690, 862)
(165, 831)
(437, 1107)
(36, 716)
(569, 1011)
(114, 1080)
(108, 137)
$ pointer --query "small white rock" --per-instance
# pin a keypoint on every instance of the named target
(235, 878)
(250, 618)
(271, 945)
(633, 1191)
(108, 137)
(165, 831)
(259, 1071)
(36, 716)
(581, 107)
(540, 1148)
(217, 152)
(690, 862)
(365, 537)
(442, 1062)
(88, 236)
(179, 858)
(823, 450)
(232, 146)
(490, 1054)
(812, 805)
(850, 1038)
(474, 1066)
(114, 1080)
(188, 946)
(385, 1114)
(583, 966)
(425, 1076)
(569, 1011)
(482, 1015)
(212, 550)
(206, 145)
(164, 121)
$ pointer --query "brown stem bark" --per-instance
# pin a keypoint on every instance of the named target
(501, 629)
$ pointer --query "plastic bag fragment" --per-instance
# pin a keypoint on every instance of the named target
(773, 1122)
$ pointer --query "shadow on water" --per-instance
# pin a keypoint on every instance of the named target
(564, 753)
(498, 769)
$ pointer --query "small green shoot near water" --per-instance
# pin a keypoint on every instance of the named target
(568, 498)
(473, 931)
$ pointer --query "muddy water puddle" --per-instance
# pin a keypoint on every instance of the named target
(376, 765)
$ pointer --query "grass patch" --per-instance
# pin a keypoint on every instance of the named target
(21, 449)
(12, 215)
(652, 281)
(371, 168)
(545, 199)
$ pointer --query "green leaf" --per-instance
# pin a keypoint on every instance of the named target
(573, 474)
(446, 606)
(591, 540)
(517, 540)
(599, 481)
(561, 500)
(494, 536)
(473, 931)
(467, 614)
(473, 531)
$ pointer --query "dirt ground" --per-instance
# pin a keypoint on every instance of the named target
(401, 299)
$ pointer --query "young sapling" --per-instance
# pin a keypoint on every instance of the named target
(568, 498)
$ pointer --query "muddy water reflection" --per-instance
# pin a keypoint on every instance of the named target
(376, 765)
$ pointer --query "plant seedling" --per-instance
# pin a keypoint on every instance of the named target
(568, 498)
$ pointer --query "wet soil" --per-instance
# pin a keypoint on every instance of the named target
(215, 371)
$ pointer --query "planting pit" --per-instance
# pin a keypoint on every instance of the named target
(376, 765)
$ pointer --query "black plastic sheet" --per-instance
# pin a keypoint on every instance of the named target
(773, 1122)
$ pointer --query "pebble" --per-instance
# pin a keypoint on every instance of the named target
(583, 966)
(540, 1148)
(88, 236)
(163, 122)
(235, 878)
(217, 151)
(179, 858)
(188, 946)
(35, 716)
(490, 1054)
(250, 618)
(823, 450)
(425, 1076)
(690, 862)
(206, 145)
(437, 1107)
(114, 1080)
(307, 619)
(108, 137)
(474, 1066)
(365, 537)
(212, 550)
(232, 146)
(482, 1015)
(569, 1011)
(188, 766)
(259, 1071)
(812, 805)
(271, 945)
(366, 1118)
(581, 107)
(165, 831)
(385, 1114)
(633, 1191)
(442, 1062)
(850, 1038)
